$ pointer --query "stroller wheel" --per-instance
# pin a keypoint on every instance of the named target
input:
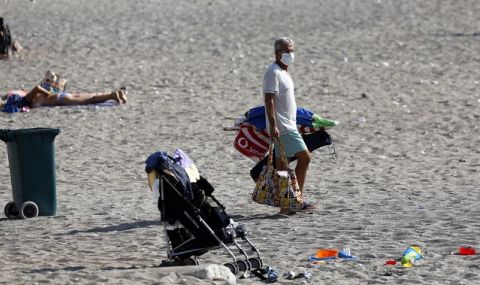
(166, 263)
(190, 261)
(255, 262)
(241, 231)
(233, 267)
(242, 265)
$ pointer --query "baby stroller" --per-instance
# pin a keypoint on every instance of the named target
(194, 220)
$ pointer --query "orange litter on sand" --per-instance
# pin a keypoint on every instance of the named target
(329, 254)
(326, 253)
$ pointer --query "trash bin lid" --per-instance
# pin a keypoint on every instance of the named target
(53, 131)
(7, 135)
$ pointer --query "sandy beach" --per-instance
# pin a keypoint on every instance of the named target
(401, 77)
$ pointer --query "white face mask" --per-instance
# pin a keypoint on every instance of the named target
(287, 58)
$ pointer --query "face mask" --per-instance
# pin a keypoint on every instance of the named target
(287, 58)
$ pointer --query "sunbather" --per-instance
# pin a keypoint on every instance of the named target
(39, 96)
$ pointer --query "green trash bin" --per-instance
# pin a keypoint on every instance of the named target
(31, 157)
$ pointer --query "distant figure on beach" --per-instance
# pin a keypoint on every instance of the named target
(39, 96)
(7, 43)
(281, 111)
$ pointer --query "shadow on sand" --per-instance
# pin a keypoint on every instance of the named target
(239, 218)
(120, 227)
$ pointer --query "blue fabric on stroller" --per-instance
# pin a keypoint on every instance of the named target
(161, 160)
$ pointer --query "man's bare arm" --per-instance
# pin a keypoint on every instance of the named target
(270, 110)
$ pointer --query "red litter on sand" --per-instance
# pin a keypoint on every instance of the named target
(390, 262)
(467, 250)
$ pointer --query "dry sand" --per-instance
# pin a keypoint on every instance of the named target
(408, 157)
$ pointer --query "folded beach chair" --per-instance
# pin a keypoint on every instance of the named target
(194, 220)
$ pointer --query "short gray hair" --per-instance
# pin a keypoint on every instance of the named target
(281, 42)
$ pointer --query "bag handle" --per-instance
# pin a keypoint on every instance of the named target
(282, 152)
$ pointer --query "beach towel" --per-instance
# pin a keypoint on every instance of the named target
(307, 121)
(96, 106)
(252, 140)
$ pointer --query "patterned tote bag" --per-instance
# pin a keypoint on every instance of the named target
(278, 188)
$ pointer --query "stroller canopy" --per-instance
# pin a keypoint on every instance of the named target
(160, 161)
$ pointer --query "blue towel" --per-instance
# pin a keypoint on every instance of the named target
(14, 104)
(256, 117)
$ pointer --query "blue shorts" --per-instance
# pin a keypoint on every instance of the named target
(61, 96)
(292, 142)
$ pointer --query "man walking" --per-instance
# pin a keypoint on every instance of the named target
(281, 111)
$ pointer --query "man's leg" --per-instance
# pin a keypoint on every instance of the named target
(304, 158)
(294, 144)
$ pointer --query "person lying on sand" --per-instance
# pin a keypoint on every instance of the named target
(39, 96)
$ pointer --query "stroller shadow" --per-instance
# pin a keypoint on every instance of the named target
(259, 217)
(120, 227)
(51, 270)
(457, 34)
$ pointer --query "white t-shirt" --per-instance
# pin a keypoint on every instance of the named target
(279, 82)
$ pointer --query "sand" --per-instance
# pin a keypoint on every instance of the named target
(401, 77)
